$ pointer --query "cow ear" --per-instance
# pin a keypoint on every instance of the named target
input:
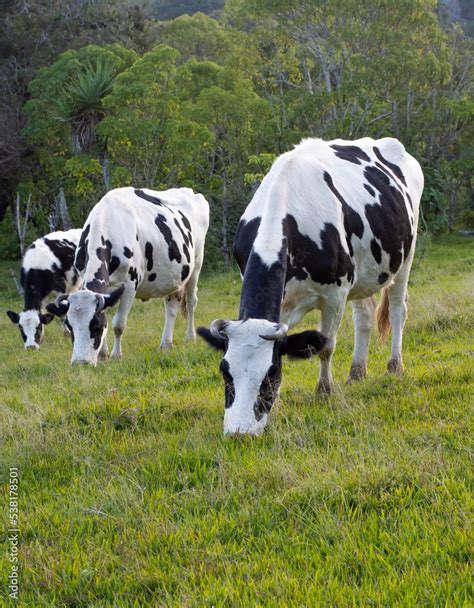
(47, 318)
(13, 316)
(213, 340)
(112, 298)
(58, 310)
(303, 345)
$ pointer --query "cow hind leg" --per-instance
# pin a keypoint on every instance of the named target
(397, 311)
(119, 321)
(191, 303)
(363, 312)
(172, 305)
(332, 311)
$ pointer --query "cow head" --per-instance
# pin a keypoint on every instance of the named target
(251, 367)
(86, 320)
(31, 324)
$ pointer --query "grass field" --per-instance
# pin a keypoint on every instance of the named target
(129, 494)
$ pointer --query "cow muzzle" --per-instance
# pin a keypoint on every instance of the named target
(83, 362)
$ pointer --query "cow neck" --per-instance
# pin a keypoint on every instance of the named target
(263, 285)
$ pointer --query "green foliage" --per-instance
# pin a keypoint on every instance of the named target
(131, 496)
(211, 102)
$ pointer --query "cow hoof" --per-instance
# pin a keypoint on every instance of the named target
(395, 366)
(324, 388)
(103, 356)
(116, 356)
(167, 346)
(357, 372)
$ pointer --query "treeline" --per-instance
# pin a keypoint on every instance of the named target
(105, 95)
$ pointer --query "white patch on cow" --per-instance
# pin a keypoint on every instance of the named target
(29, 323)
(249, 357)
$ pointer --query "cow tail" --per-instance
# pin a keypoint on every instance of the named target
(382, 317)
(184, 303)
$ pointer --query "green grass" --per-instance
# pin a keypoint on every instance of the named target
(131, 496)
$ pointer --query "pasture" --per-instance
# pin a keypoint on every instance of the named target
(131, 496)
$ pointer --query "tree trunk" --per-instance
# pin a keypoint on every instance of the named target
(63, 210)
(104, 163)
(225, 223)
(21, 224)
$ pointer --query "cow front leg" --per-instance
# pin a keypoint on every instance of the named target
(363, 315)
(104, 349)
(119, 321)
(172, 305)
(332, 311)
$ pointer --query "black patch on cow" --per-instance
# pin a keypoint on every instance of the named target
(229, 389)
(149, 255)
(152, 277)
(148, 197)
(134, 276)
(353, 154)
(114, 264)
(100, 282)
(38, 333)
(38, 284)
(184, 234)
(64, 251)
(97, 325)
(184, 272)
(244, 239)
(376, 251)
(369, 189)
(186, 252)
(262, 289)
(389, 220)
(352, 220)
(185, 221)
(82, 255)
(325, 265)
(383, 278)
(187, 225)
(395, 169)
(267, 393)
(23, 335)
(127, 253)
(173, 249)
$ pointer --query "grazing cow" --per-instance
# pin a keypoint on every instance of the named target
(47, 270)
(331, 222)
(149, 244)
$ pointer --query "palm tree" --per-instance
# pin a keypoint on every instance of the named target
(82, 109)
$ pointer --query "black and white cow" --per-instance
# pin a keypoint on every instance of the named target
(136, 243)
(332, 221)
(47, 270)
